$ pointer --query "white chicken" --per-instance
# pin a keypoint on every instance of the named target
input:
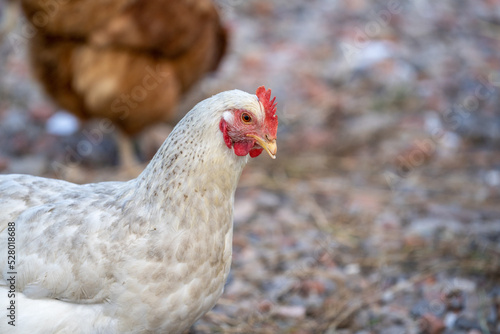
(150, 255)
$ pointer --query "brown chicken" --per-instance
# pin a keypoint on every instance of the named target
(127, 61)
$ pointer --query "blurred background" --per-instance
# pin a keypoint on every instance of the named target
(381, 213)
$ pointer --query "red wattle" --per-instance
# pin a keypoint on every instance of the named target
(243, 147)
(255, 152)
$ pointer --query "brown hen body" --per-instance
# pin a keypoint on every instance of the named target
(127, 61)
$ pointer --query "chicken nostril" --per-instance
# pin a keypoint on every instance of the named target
(270, 139)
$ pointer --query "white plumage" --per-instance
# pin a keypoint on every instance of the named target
(148, 255)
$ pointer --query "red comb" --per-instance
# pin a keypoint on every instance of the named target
(269, 107)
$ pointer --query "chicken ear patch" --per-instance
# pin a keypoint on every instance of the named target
(223, 129)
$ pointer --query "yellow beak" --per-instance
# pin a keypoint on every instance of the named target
(269, 145)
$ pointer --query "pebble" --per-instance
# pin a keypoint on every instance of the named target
(62, 123)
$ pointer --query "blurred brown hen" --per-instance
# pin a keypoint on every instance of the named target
(127, 61)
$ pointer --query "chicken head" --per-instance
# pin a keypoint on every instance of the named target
(250, 131)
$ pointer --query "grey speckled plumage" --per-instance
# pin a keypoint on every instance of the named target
(148, 255)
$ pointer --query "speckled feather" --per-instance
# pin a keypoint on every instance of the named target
(148, 255)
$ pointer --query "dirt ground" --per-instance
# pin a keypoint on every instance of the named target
(381, 213)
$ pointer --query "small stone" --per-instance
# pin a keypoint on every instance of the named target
(449, 319)
(62, 123)
(352, 269)
(297, 312)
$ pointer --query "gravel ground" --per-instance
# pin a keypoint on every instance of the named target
(382, 212)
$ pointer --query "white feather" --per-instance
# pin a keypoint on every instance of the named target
(148, 255)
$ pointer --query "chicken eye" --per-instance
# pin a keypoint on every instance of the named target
(246, 118)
